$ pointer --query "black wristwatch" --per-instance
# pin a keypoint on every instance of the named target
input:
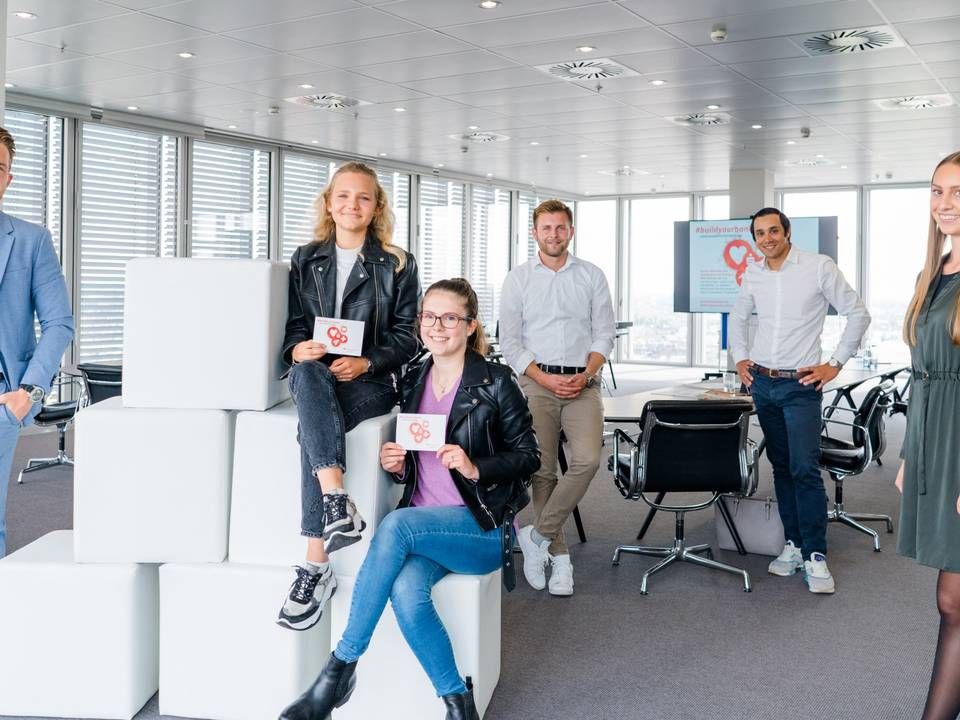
(35, 391)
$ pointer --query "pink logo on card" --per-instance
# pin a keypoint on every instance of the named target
(338, 335)
(420, 431)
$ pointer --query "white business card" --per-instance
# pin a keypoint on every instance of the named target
(421, 432)
(342, 337)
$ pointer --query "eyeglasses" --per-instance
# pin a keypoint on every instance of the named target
(447, 320)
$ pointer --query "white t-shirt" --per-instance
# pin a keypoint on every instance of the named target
(346, 259)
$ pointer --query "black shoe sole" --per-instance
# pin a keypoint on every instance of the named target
(338, 541)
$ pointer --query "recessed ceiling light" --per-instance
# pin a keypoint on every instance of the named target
(24, 15)
(586, 48)
(756, 126)
(843, 167)
(473, 127)
(305, 86)
(819, 155)
(133, 107)
(399, 109)
(713, 107)
(382, 154)
(584, 155)
(185, 55)
(534, 142)
(791, 142)
(231, 127)
(314, 142)
(709, 188)
(658, 83)
(586, 193)
(489, 4)
(438, 165)
(9, 85)
(489, 175)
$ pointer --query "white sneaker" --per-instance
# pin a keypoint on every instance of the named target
(787, 562)
(561, 575)
(535, 558)
(817, 574)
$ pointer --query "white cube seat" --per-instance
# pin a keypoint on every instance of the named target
(390, 680)
(151, 485)
(204, 333)
(78, 641)
(222, 657)
(265, 503)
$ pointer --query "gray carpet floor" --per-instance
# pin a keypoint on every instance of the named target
(697, 647)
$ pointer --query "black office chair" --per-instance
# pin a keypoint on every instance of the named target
(101, 381)
(59, 413)
(901, 394)
(686, 446)
(842, 458)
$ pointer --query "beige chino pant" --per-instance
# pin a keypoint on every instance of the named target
(581, 420)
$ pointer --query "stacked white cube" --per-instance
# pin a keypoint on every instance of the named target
(78, 640)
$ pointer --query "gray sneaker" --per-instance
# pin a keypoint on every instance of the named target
(535, 558)
(787, 562)
(817, 574)
(307, 597)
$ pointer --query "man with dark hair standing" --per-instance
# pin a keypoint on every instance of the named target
(791, 291)
(31, 286)
(557, 330)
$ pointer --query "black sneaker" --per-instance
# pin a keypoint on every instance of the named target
(306, 599)
(342, 523)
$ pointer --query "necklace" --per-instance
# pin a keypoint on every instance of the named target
(442, 387)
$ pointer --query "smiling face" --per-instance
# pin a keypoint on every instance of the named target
(553, 233)
(443, 341)
(945, 199)
(770, 237)
(353, 201)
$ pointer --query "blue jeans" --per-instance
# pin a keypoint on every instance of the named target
(9, 431)
(790, 415)
(328, 410)
(411, 551)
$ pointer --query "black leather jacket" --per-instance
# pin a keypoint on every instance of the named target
(490, 420)
(386, 300)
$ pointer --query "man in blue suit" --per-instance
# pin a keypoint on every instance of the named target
(31, 285)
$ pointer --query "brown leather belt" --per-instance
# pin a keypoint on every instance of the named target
(775, 373)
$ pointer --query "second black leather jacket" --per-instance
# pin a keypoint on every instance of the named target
(384, 299)
(490, 420)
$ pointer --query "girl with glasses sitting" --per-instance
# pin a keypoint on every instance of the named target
(457, 508)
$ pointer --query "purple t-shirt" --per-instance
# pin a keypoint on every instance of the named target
(435, 484)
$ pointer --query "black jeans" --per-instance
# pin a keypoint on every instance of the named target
(327, 411)
(790, 415)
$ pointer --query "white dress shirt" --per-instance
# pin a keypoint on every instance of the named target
(555, 318)
(791, 304)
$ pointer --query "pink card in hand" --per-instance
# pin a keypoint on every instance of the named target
(342, 337)
(421, 432)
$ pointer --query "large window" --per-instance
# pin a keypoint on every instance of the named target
(230, 191)
(442, 230)
(899, 222)
(128, 208)
(35, 193)
(397, 187)
(490, 249)
(658, 334)
(304, 177)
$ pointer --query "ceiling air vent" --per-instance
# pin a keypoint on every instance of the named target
(701, 119)
(837, 42)
(624, 171)
(915, 102)
(327, 101)
(807, 162)
(593, 69)
(480, 138)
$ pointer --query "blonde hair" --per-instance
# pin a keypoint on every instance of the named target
(462, 288)
(382, 223)
(931, 270)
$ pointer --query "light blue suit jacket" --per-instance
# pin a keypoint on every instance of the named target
(31, 283)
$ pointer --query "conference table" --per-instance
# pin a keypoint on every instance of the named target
(629, 409)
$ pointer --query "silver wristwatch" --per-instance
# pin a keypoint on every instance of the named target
(35, 392)
(834, 363)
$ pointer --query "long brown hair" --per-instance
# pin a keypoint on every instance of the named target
(931, 270)
(382, 223)
(462, 289)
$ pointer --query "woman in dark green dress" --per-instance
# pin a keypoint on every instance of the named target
(929, 475)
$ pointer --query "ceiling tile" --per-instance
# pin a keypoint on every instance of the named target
(861, 92)
(339, 82)
(441, 14)
(56, 13)
(82, 71)
(892, 57)
(394, 48)
(112, 34)
(663, 12)
(781, 22)
(701, 76)
(931, 31)
(541, 27)
(752, 50)
(224, 15)
(207, 50)
(436, 66)
(481, 81)
(643, 39)
(665, 61)
(245, 71)
(900, 11)
(870, 76)
(22, 54)
(311, 32)
(938, 52)
(556, 91)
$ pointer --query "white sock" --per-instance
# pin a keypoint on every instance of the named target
(538, 538)
(315, 568)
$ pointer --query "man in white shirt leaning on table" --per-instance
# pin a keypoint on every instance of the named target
(791, 291)
(557, 330)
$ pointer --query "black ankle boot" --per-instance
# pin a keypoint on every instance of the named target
(461, 706)
(330, 690)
